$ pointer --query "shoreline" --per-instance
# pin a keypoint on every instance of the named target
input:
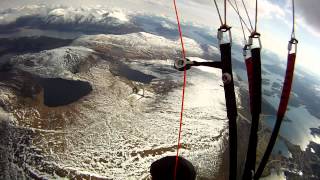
(301, 164)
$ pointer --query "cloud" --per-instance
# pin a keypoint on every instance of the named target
(309, 11)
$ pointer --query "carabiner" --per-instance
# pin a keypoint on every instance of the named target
(245, 49)
(293, 41)
(255, 35)
(223, 29)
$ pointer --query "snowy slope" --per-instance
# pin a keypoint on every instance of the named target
(62, 14)
(12, 14)
(141, 44)
(86, 15)
(114, 132)
(60, 62)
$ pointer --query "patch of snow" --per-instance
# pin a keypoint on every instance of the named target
(275, 176)
(60, 62)
(5, 116)
(63, 14)
(300, 173)
(166, 25)
(57, 12)
(30, 7)
(141, 43)
(191, 45)
(119, 14)
(214, 50)
(312, 150)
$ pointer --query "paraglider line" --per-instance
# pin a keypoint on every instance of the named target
(183, 89)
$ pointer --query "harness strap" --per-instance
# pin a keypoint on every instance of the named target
(281, 112)
(231, 107)
(255, 99)
(249, 65)
(285, 96)
(287, 86)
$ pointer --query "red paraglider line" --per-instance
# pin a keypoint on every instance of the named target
(183, 89)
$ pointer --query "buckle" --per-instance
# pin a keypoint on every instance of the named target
(255, 35)
(181, 64)
(245, 49)
(224, 29)
(293, 42)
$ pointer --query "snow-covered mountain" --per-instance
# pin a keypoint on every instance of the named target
(57, 63)
(118, 129)
(140, 44)
(61, 62)
(81, 16)
(89, 20)
(68, 21)
(63, 14)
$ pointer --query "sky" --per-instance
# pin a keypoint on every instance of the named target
(274, 20)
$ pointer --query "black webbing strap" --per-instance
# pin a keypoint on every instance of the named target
(285, 95)
(255, 113)
(231, 107)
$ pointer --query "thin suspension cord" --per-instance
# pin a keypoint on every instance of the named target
(183, 90)
(242, 22)
(225, 12)
(246, 10)
(293, 20)
(284, 100)
(256, 20)
(238, 12)
(216, 5)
